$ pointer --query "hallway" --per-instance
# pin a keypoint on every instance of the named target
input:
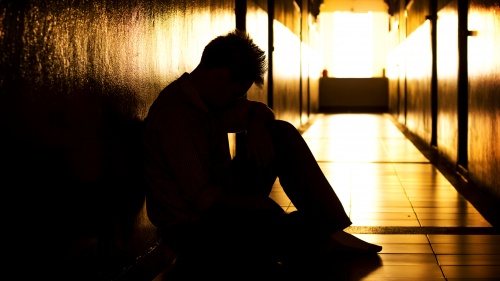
(396, 198)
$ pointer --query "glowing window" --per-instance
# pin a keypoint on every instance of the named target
(354, 43)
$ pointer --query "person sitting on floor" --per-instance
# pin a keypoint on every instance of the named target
(207, 205)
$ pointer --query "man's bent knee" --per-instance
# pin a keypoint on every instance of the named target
(283, 127)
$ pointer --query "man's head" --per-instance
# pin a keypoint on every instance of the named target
(237, 52)
(229, 66)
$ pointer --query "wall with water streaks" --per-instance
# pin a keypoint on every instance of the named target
(77, 78)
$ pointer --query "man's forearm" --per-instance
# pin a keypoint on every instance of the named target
(259, 115)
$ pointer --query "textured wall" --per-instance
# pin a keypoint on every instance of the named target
(257, 25)
(286, 61)
(314, 65)
(401, 55)
(479, 81)
(311, 61)
(416, 12)
(447, 72)
(305, 59)
(392, 65)
(418, 82)
(77, 78)
(484, 95)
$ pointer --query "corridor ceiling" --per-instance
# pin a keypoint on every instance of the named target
(358, 6)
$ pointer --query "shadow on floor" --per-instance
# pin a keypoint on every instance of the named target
(342, 268)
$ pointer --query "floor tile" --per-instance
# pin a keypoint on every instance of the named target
(385, 216)
(413, 194)
(394, 238)
(464, 239)
(469, 260)
(440, 204)
(472, 271)
(450, 216)
(466, 249)
(447, 210)
(382, 204)
(456, 222)
(408, 259)
(381, 222)
(405, 248)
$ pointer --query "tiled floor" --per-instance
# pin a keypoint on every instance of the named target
(396, 198)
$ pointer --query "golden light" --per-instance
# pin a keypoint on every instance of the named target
(483, 42)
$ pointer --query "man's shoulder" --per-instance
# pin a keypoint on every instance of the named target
(172, 95)
(172, 101)
(171, 88)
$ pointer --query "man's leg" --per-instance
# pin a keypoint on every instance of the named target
(273, 231)
(309, 190)
(303, 180)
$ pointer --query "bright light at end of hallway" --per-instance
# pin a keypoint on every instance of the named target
(354, 43)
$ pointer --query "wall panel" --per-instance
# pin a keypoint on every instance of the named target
(305, 60)
(468, 98)
(416, 13)
(310, 62)
(484, 95)
(286, 61)
(447, 72)
(257, 25)
(418, 82)
(315, 64)
(393, 64)
(401, 54)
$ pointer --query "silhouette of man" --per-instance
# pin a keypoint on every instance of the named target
(209, 207)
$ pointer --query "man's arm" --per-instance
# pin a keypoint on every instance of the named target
(244, 113)
(254, 118)
(259, 145)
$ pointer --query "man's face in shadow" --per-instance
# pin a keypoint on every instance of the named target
(227, 91)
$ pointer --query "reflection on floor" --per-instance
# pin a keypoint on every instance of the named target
(396, 198)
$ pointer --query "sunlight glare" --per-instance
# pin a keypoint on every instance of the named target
(352, 44)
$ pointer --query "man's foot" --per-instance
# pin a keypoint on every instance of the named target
(343, 242)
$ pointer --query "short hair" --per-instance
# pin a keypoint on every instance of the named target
(237, 52)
